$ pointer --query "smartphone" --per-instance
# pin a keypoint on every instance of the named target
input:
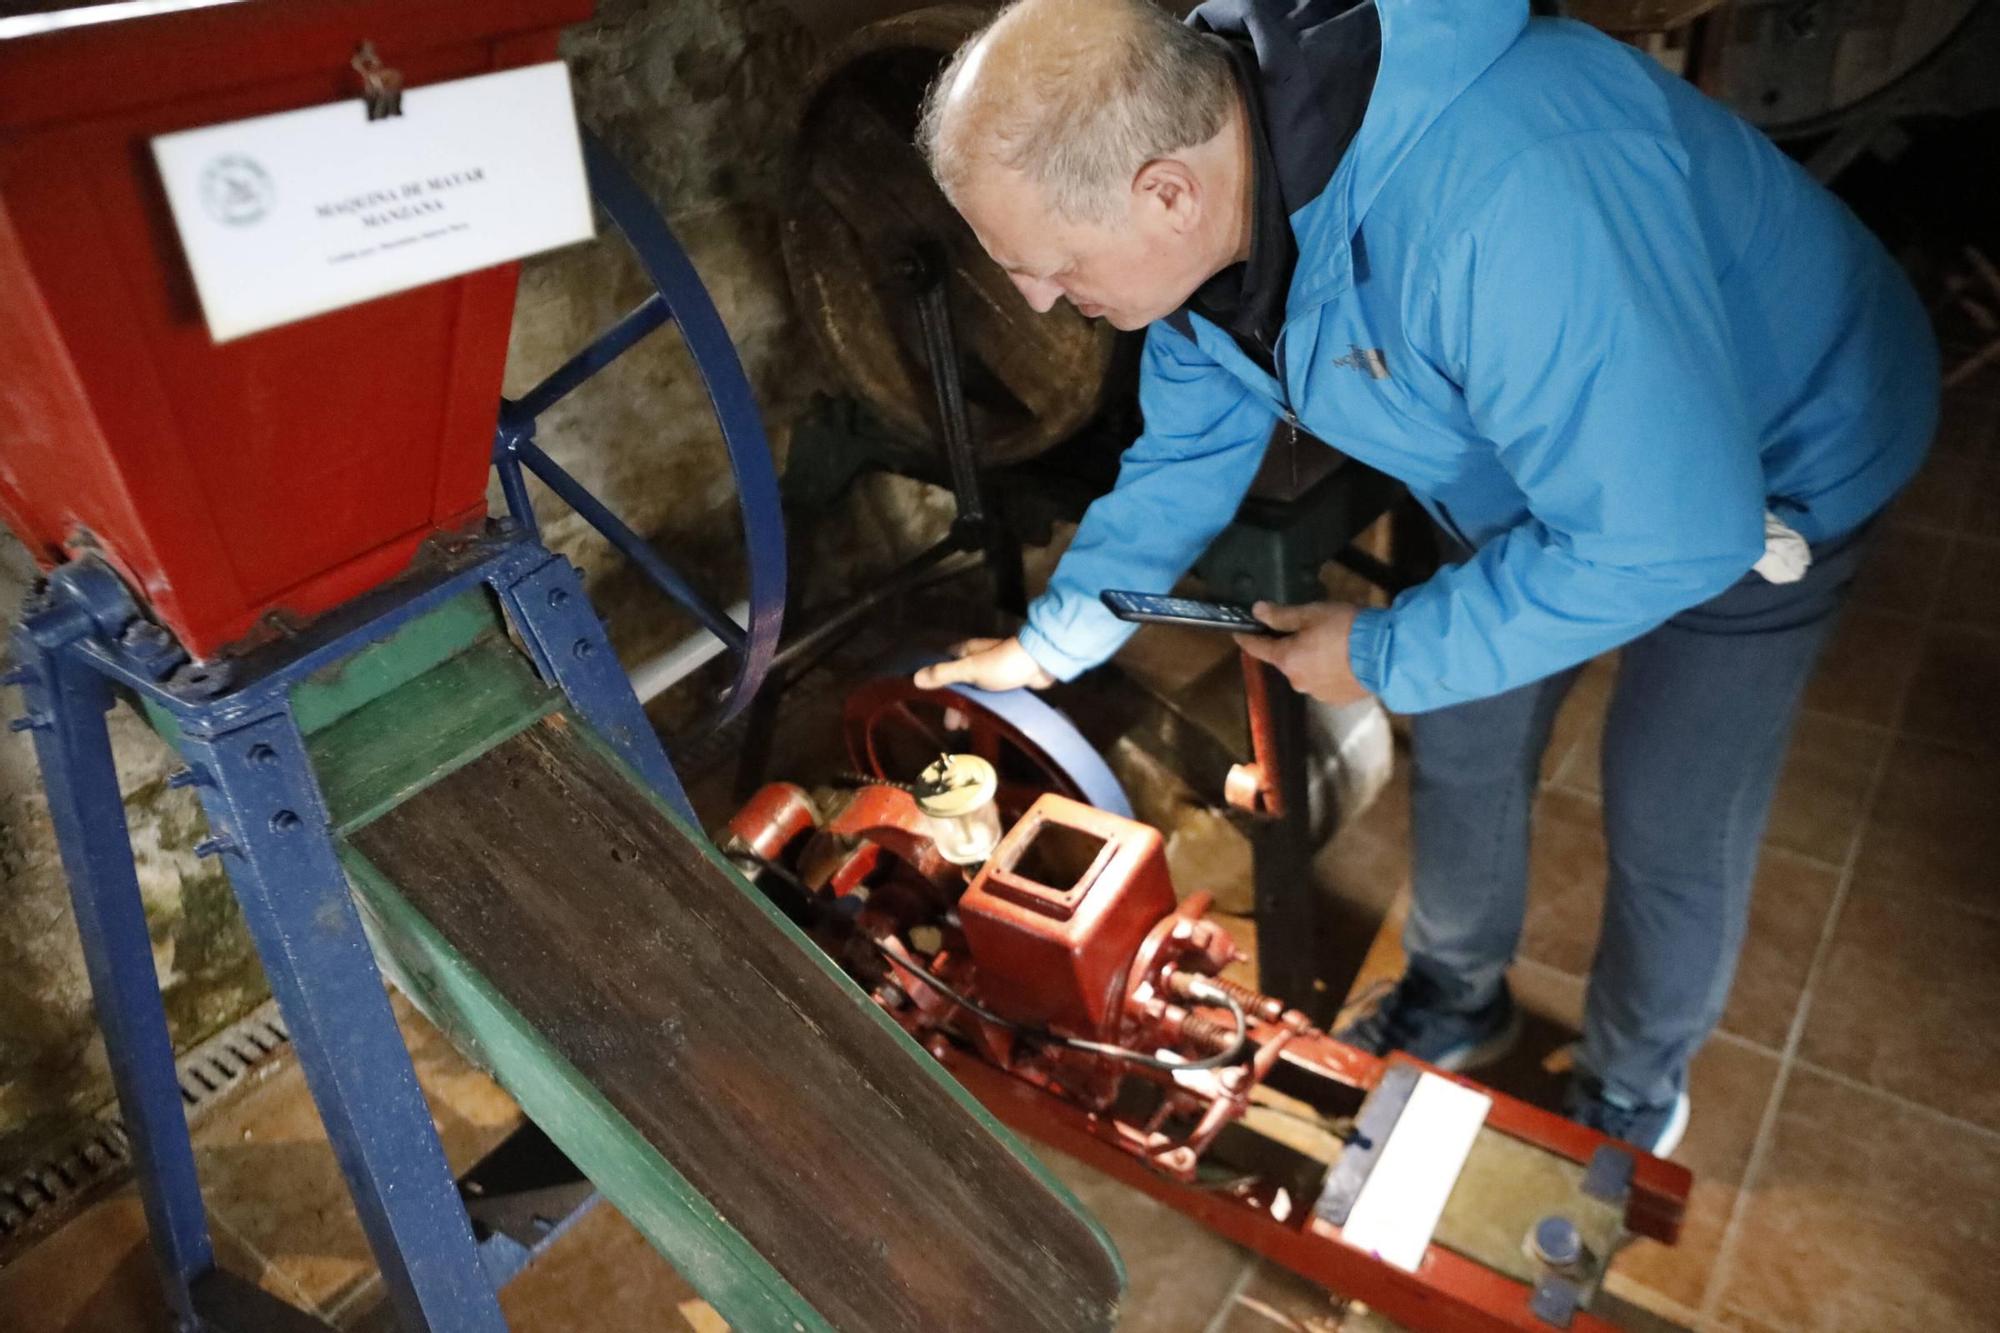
(1156, 608)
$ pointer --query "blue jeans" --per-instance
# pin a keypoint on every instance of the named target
(1693, 742)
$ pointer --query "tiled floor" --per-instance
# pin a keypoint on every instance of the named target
(1846, 1130)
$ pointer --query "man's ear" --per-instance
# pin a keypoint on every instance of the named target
(1168, 186)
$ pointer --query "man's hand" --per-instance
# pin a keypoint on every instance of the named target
(987, 664)
(1313, 653)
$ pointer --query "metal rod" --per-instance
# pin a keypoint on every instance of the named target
(629, 543)
(910, 576)
(927, 268)
(69, 700)
(656, 675)
(607, 347)
(515, 487)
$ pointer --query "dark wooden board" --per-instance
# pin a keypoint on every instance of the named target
(766, 1080)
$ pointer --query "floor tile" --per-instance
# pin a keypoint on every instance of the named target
(1956, 695)
(1736, 1321)
(1938, 496)
(1621, 1313)
(1982, 512)
(1537, 1070)
(1277, 1300)
(1934, 831)
(1817, 807)
(606, 1277)
(271, 1177)
(1180, 1273)
(1903, 571)
(1381, 966)
(1866, 666)
(1968, 424)
(1368, 863)
(1906, 1003)
(1729, 1086)
(1828, 768)
(1868, 1216)
(1788, 910)
(602, 1276)
(94, 1275)
(1729, 1089)
(1565, 883)
(1972, 585)
(1788, 907)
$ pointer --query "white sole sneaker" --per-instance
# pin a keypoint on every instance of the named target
(1675, 1128)
(1485, 1052)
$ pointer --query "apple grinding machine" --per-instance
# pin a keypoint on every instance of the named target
(788, 1060)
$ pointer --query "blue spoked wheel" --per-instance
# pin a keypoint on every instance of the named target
(680, 299)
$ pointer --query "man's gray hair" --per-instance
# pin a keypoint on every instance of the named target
(1110, 86)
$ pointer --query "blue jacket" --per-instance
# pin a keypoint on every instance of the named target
(1594, 321)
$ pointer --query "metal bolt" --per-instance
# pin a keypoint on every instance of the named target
(213, 847)
(1556, 1242)
(263, 754)
(557, 596)
(187, 777)
(29, 723)
(582, 648)
(20, 675)
(285, 821)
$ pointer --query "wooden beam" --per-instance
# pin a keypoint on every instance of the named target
(784, 1144)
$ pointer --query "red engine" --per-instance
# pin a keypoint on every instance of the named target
(1055, 919)
(1062, 980)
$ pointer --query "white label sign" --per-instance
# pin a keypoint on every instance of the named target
(302, 212)
(1399, 1206)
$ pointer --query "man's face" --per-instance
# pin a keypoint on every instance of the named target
(1131, 272)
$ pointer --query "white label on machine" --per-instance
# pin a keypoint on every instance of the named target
(1400, 1203)
(302, 212)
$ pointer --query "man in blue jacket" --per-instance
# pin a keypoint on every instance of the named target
(1618, 345)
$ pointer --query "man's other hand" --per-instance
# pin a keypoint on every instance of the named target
(987, 664)
(1313, 653)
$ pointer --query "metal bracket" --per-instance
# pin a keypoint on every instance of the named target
(1372, 1126)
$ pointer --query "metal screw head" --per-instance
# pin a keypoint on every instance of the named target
(1556, 1242)
(262, 754)
(558, 596)
(285, 821)
(582, 648)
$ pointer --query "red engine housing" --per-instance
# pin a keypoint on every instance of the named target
(1057, 914)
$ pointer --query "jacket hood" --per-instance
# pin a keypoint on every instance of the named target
(1431, 51)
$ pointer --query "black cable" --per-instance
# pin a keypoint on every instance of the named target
(1125, 1053)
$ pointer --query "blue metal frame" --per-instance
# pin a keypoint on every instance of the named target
(679, 298)
(81, 637)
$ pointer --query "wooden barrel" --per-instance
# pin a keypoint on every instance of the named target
(862, 201)
(1799, 69)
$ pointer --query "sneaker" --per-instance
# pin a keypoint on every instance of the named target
(1411, 1017)
(1652, 1129)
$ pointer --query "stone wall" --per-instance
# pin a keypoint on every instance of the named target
(697, 99)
